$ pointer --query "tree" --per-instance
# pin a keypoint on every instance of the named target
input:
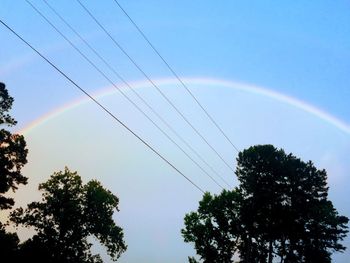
(281, 211)
(210, 230)
(68, 214)
(13, 156)
(13, 152)
(8, 244)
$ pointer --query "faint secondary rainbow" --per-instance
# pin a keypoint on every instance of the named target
(218, 83)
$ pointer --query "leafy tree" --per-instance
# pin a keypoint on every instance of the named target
(13, 156)
(213, 235)
(68, 214)
(286, 206)
(8, 244)
(281, 210)
(13, 152)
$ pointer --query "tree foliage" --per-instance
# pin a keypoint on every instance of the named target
(13, 156)
(69, 213)
(212, 234)
(279, 211)
(8, 245)
(13, 152)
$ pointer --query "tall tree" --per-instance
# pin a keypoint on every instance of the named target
(282, 211)
(69, 213)
(286, 206)
(13, 156)
(13, 152)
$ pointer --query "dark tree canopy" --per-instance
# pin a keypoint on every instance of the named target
(279, 211)
(13, 156)
(6, 102)
(210, 230)
(8, 245)
(70, 212)
(13, 152)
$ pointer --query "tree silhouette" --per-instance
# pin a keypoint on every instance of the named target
(210, 230)
(8, 245)
(280, 210)
(13, 156)
(69, 213)
(13, 152)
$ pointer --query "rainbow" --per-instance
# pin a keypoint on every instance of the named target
(108, 91)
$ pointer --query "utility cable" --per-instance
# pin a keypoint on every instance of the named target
(121, 92)
(154, 85)
(137, 94)
(176, 76)
(102, 107)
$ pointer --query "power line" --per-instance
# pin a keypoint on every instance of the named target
(176, 76)
(102, 107)
(146, 103)
(121, 92)
(154, 85)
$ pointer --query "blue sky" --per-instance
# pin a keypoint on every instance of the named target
(297, 48)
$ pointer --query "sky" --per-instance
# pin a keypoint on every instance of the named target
(267, 71)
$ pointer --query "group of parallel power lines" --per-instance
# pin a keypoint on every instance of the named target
(134, 91)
